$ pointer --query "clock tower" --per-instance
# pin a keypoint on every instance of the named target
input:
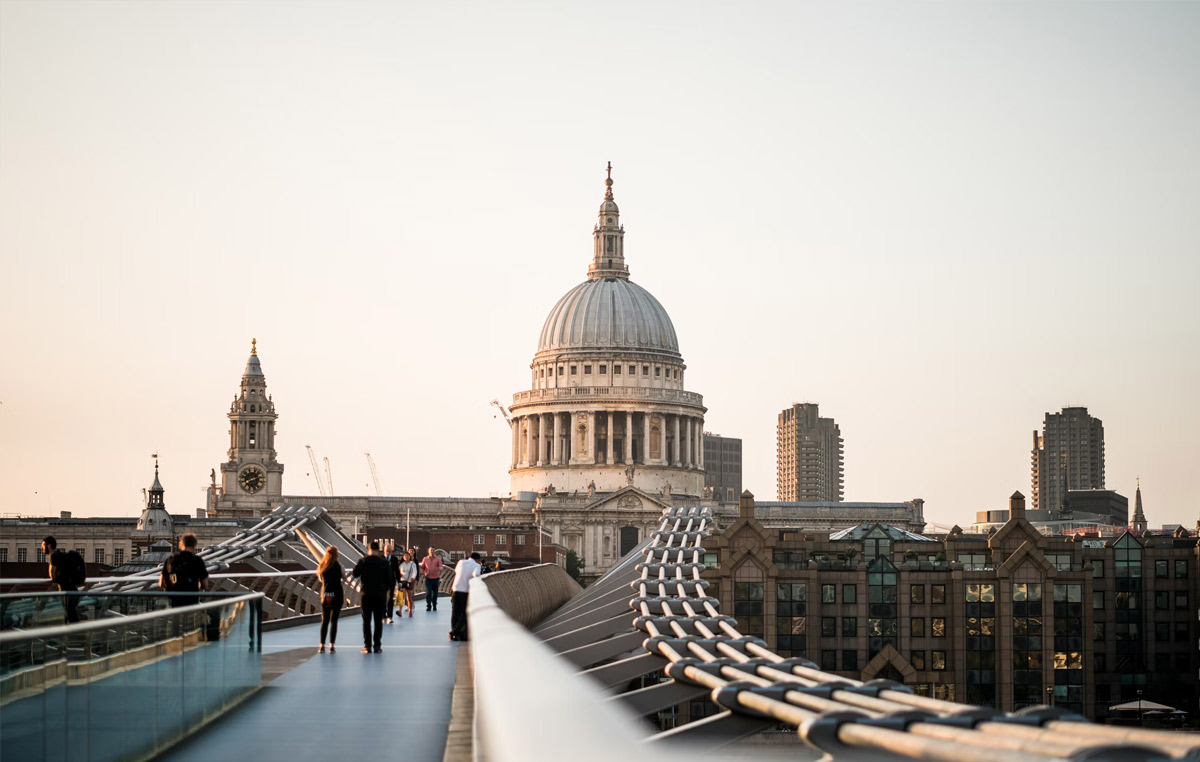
(251, 480)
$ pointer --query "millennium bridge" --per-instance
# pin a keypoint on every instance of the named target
(551, 670)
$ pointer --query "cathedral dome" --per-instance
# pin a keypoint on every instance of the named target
(608, 314)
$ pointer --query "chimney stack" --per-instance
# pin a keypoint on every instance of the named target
(746, 505)
(1016, 506)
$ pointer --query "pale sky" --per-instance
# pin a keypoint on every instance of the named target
(937, 220)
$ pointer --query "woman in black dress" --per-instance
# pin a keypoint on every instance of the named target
(332, 597)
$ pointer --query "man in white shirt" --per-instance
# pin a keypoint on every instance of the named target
(466, 570)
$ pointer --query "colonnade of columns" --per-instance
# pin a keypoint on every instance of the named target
(591, 437)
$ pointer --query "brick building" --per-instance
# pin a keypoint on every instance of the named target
(1005, 619)
(514, 544)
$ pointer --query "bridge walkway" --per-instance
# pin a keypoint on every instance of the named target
(396, 703)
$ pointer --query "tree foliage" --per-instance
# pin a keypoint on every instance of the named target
(575, 566)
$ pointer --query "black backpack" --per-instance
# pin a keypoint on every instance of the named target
(71, 569)
(181, 574)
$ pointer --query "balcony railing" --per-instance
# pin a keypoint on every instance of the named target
(611, 393)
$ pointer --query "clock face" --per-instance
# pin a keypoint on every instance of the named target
(252, 480)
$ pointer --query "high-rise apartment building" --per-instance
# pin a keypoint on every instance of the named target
(808, 456)
(1067, 455)
(723, 467)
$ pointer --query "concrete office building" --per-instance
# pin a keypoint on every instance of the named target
(722, 467)
(808, 456)
(1006, 619)
(1067, 455)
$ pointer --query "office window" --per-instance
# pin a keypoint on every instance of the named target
(501, 539)
(849, 594)
(1097, 568)
(1097, 630)
(1162, 631)
(917, 627)
(916, 593)
(1160, 569)
(829, 627)
(1181, 598)
(939, 660)
(828, 594)
(938, 627)
(937, 593)
(829, 660)
(791, 618)
(1181, 632)
(1097, 599)
(917, 659)
(849, 661)
(748, 607)
(1162, 599)
(849, 626)
(1181, 569)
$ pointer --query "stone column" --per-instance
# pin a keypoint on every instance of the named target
(609, 440)
(558, 458)
(628, 437)
(543, 424)
(675, 433)
(516, 442)
(645, 438)
(662, 450)
(700, 439)
(591, 441)
(529, 451)
(687, 450)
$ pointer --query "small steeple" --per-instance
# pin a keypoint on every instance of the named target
(1138, 524)
(156, 489)
(608, 257)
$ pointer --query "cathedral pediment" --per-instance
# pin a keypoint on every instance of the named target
(628, 500)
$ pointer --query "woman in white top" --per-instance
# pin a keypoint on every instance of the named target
(408, 578)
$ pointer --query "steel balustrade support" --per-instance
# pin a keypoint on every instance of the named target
(656, 698)
(590, 633)
(593, 653)
(715, 731)
(619, 673)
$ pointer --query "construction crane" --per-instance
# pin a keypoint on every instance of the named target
(329, 477)
(316, 471)
(374, 474)
(503, 411)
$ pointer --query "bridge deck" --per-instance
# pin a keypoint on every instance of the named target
(396, 703)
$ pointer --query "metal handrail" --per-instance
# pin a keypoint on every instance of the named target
(13, 636)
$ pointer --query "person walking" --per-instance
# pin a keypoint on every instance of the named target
(184, 572)
(333, 597)
(393, 566)
(376, 577)
(431, 567)
(408, 578)
(67, 572)
(464, 571)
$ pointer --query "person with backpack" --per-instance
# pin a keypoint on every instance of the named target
(68, 572)
(376, 579)
(184, 572)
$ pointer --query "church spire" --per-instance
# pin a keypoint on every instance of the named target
(608, 257)
(156, 489)
(1139, 516)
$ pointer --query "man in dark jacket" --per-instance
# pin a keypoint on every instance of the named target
(66, 571)
(376, 577)
(184, 572)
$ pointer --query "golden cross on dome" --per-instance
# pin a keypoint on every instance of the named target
(610, 170)
(253, 346)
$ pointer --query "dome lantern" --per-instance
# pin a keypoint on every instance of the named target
(608, 257)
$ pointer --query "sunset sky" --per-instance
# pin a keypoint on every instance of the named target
(937, 220)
